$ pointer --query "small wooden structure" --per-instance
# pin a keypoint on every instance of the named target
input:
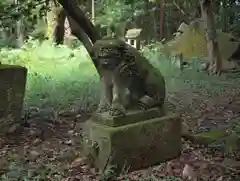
(133, 37)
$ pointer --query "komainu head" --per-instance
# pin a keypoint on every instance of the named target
(109, 52)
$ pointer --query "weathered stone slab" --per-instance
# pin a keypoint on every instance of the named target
(12, 90)
(132, 116)
(133, 146)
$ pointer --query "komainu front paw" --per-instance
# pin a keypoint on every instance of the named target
(117, 110)
(103, 108)
(146, 102)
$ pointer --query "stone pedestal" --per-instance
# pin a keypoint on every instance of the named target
(12, 90)
(138, 140)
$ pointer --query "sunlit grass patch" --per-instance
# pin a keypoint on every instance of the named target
(57, 76)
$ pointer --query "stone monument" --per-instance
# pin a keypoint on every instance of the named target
(142, 136)
(12, 90)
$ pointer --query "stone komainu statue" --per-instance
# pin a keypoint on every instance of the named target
(123, 69)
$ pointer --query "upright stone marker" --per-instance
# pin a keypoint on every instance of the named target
(138, 140)
(12, 90)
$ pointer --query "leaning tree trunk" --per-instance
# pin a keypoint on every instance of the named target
(60, 34)
(77, 31)
(215, 63)
(73, 11)
(79, 17)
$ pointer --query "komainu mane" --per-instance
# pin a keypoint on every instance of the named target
(124, 69)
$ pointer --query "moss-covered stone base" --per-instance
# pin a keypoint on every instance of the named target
(133, 146)
(132, 116)
(12, 90)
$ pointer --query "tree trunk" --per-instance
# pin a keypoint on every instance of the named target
(211, 37)
(76, 30)
(120, 30)
(58, 32)
(153, 16)
(197, 13)
(93, 11)
(67, 33)
(80, 34)
(231, 13)
(19, 29)
(79, 17)
(162, 19)
(224, 17)
(3, 36)
(20, 36)
(73, 11)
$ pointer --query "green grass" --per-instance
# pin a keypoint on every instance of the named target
(57, 76)
(190, 78)
(60, 77)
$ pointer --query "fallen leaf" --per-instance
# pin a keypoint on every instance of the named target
(189, 173)
(85, 168)
(34, 154)
(77, 162)
(13, 128)
(78, 115)
(220, 178)
(68, 142)
(36, 141)
(71, 132)
(169, 169)
(35, 132)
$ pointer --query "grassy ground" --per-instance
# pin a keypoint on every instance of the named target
(61, 79)
(57, 76)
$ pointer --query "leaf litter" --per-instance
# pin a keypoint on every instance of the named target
(52, 147)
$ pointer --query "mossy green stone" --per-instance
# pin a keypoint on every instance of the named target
(12, 90)
(133, 146)
(132, 116)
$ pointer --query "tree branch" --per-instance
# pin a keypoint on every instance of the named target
(79, 17)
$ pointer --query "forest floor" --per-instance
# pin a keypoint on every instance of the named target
(51, 149)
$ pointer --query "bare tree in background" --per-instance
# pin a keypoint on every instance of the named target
(215, 62)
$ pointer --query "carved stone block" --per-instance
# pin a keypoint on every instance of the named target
(132, 116)
(147, 139)
(12, 90)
